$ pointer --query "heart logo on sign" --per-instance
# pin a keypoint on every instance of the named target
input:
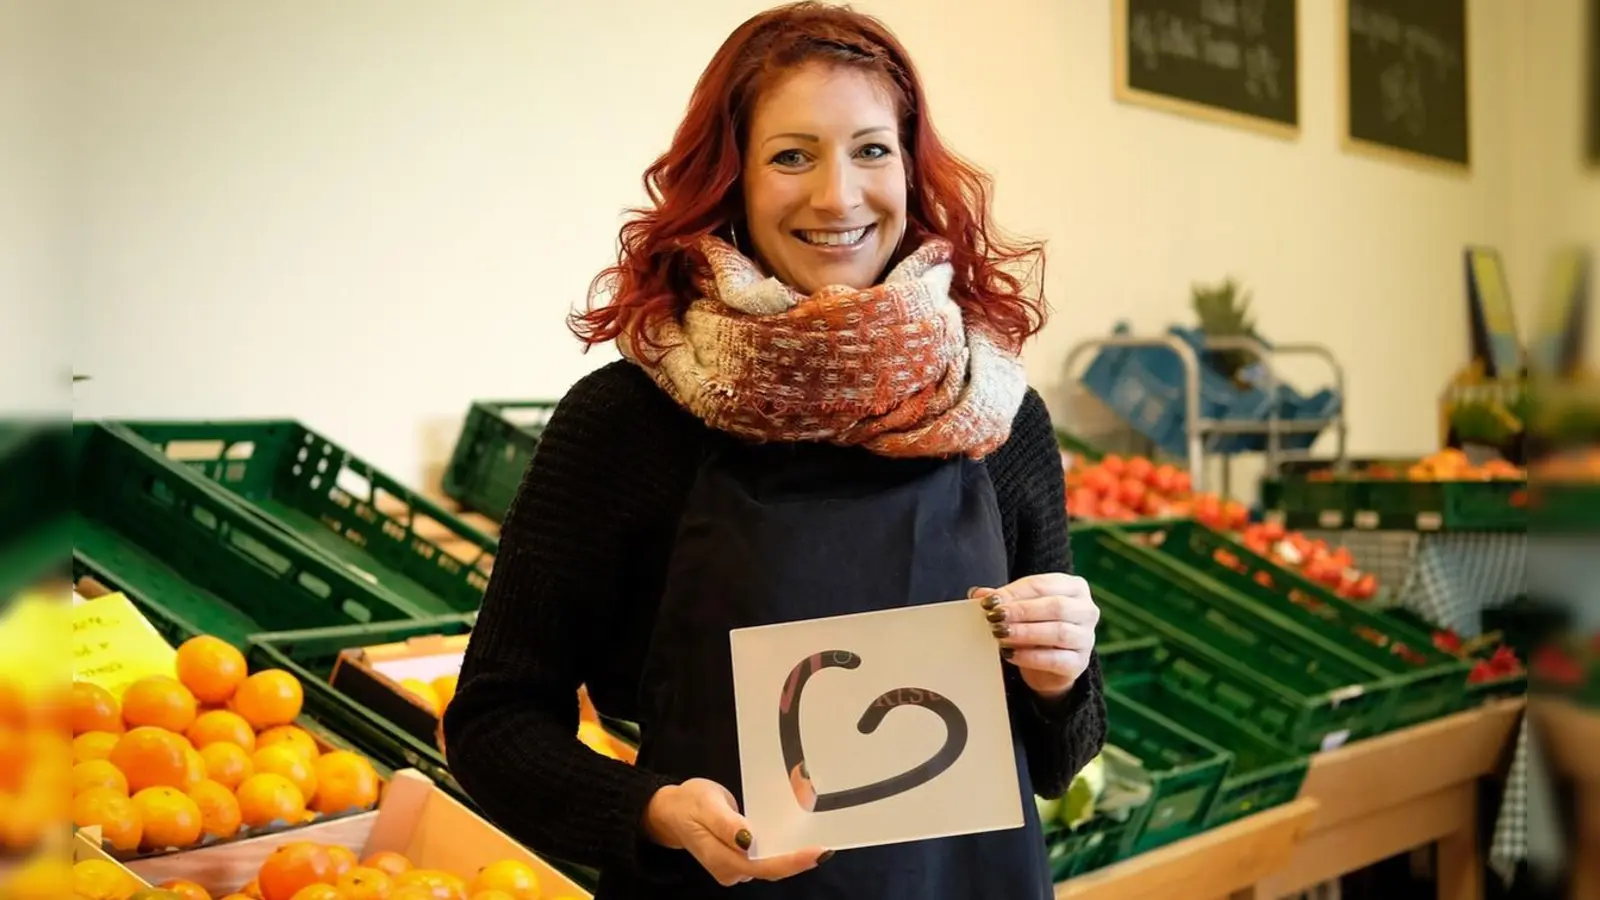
(794, 755)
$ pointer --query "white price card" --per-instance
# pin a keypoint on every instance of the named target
(873, 728)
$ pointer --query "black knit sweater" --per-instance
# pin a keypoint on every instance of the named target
(572, 600)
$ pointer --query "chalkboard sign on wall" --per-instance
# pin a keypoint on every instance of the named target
(1407, 79)
(1232, 61)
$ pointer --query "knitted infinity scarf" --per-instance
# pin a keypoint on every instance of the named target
(892, 368)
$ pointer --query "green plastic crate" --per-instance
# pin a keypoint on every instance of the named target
(336, 504)
(35, 535)
(1096, 844)
(1430, 682)
(1214, 645)
(167, 533)
(1123, 652)
(1303, 495)
(493, 451)
(1186, 768)
(1428, 506)
(1557, 507)
(1477, 693)
(1263, 773)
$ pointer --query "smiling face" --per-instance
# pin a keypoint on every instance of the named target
(824, 179)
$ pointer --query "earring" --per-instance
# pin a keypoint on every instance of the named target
(733, 236)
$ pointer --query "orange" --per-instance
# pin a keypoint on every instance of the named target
(92, 708)
(364, 883)
(171, 819)
(292, 735)
(98, 879)
(268, 698)
(444, 687)
(211, 668)
(194, 768)
(512, 876)
(186, 889)
(221, 726)
(265, 798)
(318, 892)
(423, 693)
(95, 744)
(412, 892)
(159, 701)
(152, 757)
(441, 884)
(344, 859)
(98, 773)
(119, 820)
(14, 758)
(345, 781)
(491, 895)
(252, 890)
(285, 760)
(42, 876)
(227, 764)
(238, 897)
(219, 809)
(388, 862)
(294, 866)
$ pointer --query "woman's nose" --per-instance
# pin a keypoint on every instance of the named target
(837, 191)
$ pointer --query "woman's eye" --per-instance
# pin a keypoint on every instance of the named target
(789, 158)
(875, 151)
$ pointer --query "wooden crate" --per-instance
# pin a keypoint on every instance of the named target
(416, 818)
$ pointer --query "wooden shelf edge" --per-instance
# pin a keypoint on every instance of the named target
(1215, 863)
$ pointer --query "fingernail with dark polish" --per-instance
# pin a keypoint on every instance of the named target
(824, 856)
(742, 839)
(996, 615)
(1002, 630)
(991, 601)
(1007, 652)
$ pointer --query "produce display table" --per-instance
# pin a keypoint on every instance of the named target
(1570, 734)
(1382, 797)
(1225, 862)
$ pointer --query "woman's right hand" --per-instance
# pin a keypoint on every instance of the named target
(701, 816)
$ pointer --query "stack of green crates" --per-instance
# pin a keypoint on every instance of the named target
(1308, 495)
(410, 550)
(164, 533)
(1304, 690)
(1429, 683)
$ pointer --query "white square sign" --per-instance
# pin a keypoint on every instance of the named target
(873, 728)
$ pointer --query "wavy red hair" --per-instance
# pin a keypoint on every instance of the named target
(694, 187)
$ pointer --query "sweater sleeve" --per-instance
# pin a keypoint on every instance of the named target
(1063, 735)
(510, 731)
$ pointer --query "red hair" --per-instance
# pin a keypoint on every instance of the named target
(694, 186)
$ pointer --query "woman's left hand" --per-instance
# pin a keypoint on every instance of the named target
(1045, 625)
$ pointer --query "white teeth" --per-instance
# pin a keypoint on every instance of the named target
(834, 238)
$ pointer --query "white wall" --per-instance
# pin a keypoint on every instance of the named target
(412, 195)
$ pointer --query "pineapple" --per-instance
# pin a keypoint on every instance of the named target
(1225, 312)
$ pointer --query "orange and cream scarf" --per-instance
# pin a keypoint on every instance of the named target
(892, 368)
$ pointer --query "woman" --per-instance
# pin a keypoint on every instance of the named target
(820, 412)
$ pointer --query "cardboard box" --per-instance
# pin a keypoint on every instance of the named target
(371, 676)
(416, 818)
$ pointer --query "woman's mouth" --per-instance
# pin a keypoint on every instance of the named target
(834, 238)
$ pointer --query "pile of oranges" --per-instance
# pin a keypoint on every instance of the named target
(305, 870)
(206, 755)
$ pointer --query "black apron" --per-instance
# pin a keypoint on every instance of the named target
(781, 533)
